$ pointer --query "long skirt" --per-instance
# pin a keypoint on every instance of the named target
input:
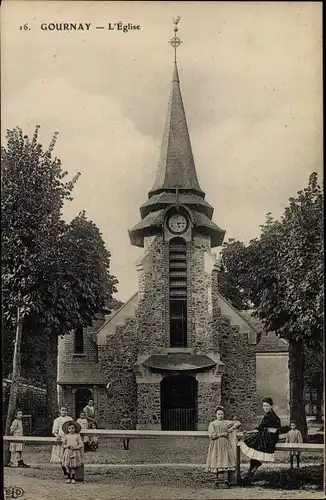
(220, 456)
(57, 454)
(72, 459)
(13, 447)
(260, 446)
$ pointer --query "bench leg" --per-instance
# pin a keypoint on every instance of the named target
(237, 470)
(232, 477)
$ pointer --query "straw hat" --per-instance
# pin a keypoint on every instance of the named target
(68, 424)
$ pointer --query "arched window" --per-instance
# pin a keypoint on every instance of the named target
(178, 292)
(79, 340)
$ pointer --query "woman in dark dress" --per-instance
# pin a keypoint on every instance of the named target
(259, 445)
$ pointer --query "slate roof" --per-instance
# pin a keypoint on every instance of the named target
(154, 221)
(165, 199)
(176, 166)
(80, 373)
(269, 341)
(176, 162)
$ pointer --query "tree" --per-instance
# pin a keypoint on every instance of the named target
(230, 272)
(59, 271)
(115, 304)
(313, 376)
(281, 275)
(32, 194)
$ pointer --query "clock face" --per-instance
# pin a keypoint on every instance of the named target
(178, 223)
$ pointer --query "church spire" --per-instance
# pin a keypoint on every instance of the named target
(176, 163)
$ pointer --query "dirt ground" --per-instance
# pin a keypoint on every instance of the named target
(111, 474)
(135, 484)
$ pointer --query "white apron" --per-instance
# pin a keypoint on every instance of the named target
(57, 450)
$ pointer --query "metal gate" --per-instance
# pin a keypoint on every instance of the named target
(179, 403)
(179, 419)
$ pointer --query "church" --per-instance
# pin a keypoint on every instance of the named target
(177, 348)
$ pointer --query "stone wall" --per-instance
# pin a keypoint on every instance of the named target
(209, 396)
(117, 360)
(200, 332)
(149, 405)
(239, 395)
(152, 316)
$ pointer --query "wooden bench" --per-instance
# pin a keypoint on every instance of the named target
(311, 447)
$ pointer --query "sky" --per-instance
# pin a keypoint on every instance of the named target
(250, 76)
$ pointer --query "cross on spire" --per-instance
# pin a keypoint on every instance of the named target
(177, 186)
(175, 41)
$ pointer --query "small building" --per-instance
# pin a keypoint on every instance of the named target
(272, 369)
(177, 348)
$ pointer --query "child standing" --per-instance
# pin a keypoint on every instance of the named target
(294, 436)
(72, 449)
(93, 440)
(126, 423)
(83, 422)
(221, 457)
(16, 449)
(57, 450)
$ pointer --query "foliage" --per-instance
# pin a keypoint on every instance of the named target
(314, 366)
(32, 196)
(115, 304)
(280, 274)
(57, 273)
(232, 256)
(31, 400)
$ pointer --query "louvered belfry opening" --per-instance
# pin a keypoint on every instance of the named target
(178, 292)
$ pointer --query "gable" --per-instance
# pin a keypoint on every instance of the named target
(116, 318)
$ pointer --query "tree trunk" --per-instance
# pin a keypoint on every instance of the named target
(319, 402)
(16, 369)
(51, 378)
(296, 368)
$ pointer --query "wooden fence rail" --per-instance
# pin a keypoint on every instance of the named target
(141, 434)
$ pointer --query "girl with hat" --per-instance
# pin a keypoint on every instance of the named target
(72, 445)
(221, 456)
(259, 445)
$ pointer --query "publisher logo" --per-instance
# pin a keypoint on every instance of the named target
(13, 492)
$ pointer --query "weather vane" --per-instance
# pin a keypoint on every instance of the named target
(175, 41)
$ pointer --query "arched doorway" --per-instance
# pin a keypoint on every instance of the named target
(82, 396)
(179, 403)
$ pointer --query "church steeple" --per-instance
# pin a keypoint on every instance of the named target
(176, 163)
(176, 180)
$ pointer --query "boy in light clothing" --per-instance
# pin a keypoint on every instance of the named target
(83, 422)
(294, 436)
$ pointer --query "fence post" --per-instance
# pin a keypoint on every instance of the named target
(232, 474)
(238, 463)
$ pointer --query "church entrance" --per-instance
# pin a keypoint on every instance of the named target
(82, 396)
(179, 403)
